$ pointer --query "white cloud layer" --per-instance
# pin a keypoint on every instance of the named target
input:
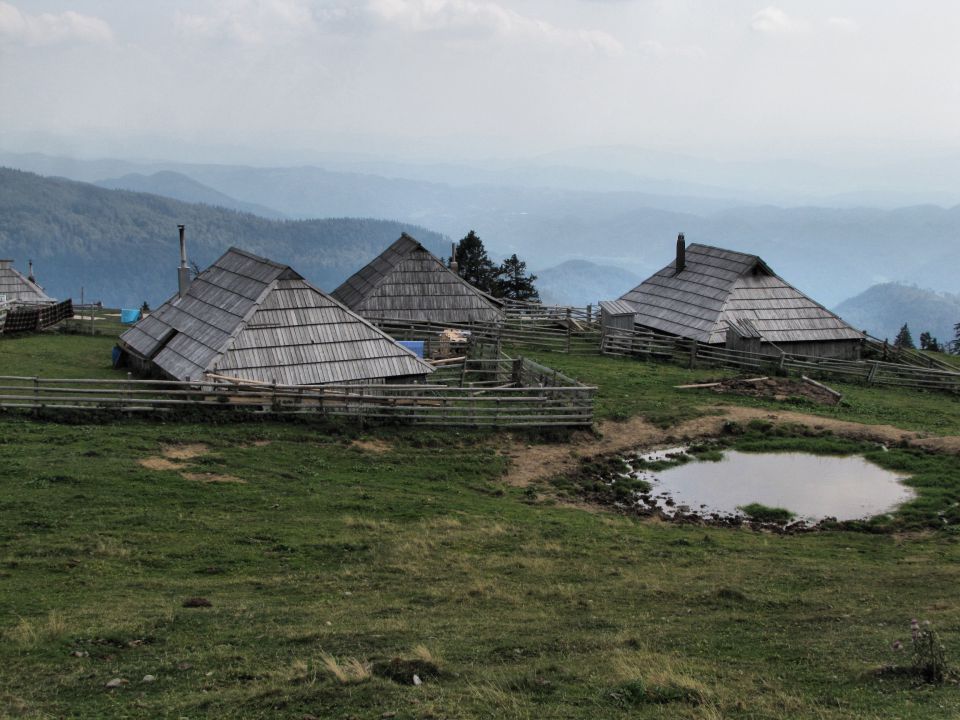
(19, 27)
(772, 21)
(257, 22)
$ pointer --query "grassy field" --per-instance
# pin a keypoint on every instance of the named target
(268, 570)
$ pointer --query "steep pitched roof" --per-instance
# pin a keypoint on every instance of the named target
(407, 282)
(717, 286)
(254, 319)
(17, 288)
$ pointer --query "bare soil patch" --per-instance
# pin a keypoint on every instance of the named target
(213, 478)
(184, 452)
(374, 446)
(159, 463)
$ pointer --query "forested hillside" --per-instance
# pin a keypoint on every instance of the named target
(122, 246)
(883, 309)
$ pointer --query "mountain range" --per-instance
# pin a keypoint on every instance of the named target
(831, 253)
(121, 247)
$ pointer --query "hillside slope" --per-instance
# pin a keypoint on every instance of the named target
(122, 246)
(883, 309)
(180, 187)
(579, 282)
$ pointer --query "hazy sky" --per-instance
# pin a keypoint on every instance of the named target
(723, 78)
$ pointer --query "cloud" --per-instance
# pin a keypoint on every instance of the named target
(250, 22)
(843, 25)
(51, 28)
(485, 19)
(772, 21)
(256, 22)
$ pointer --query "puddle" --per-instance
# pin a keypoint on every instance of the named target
(813, 487)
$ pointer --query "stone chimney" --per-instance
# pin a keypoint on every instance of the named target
(681, 253)
(6, 264)
(183, 272)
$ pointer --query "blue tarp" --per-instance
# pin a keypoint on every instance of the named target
(128, 316)
(414, 346)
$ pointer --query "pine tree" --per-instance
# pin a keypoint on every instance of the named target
(904, 339)
(513, 282)
(473, 264)
(929, 342)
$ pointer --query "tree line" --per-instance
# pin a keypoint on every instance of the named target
(928, 342)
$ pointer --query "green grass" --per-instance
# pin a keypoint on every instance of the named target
(331, 568)
(58, 356)
(765, 513)
(329, 551)
(629, 387)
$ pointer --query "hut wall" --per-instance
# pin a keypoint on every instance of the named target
(835, 349)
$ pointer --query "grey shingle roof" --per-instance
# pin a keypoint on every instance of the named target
(718, 286)
(254, 319)
(17, 288)
(407, 282)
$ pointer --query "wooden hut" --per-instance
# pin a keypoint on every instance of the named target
(407, 282)
(15, 288)
(250, 319)
(616, 315)
(722, 297)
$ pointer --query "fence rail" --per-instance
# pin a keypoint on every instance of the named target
(474, 393)
(645, 343)
(538, 327)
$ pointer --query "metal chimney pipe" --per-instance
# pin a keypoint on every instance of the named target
(454, 265)
(681, 253)
(183, 272)
(30, 276)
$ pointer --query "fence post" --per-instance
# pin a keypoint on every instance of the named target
(36, 395)
(693, 354)
(516, 376)
(589, 314)
(872, 376)
(569, 329)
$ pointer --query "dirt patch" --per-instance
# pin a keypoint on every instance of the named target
(184, 452)
(213, 478)
(159, 463)
(374, 446)
(774, 388)
(531, 463)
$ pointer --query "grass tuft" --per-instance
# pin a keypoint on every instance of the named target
(348, 671)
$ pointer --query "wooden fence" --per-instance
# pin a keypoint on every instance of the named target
(645, 343)
(474, 393)
(536, 327)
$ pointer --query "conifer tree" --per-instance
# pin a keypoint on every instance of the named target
(473, 264)
(513, 282)
(904, 339)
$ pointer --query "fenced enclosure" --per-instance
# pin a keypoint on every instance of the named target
(643, 343)
(497, 392)
(522, 325)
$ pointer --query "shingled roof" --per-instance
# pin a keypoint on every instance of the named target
(253, 319)
(407, 282)
(716, 287)
(14, 287)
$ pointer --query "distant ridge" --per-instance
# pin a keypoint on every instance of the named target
(883, 309)
(180, 187)
(121, 246)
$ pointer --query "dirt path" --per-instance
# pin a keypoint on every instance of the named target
(532, 462)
